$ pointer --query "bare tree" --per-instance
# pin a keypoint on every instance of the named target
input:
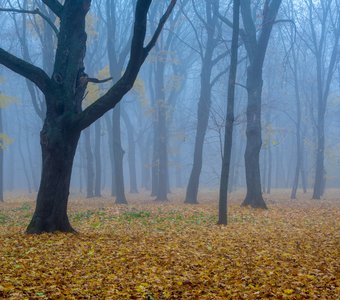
(64, 92)
(228, 136)
(322, 39)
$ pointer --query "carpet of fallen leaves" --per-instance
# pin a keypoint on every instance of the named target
(149, 250)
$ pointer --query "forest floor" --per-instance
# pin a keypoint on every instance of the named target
(149, 250)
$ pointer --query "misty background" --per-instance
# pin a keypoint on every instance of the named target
(170, 81)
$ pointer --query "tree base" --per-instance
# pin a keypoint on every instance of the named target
(254, 202)
(37, 226)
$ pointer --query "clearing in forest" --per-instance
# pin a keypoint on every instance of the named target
(149, 250)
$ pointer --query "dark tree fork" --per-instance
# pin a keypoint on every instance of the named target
(64, 92)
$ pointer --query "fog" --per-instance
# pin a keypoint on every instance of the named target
(189, 62)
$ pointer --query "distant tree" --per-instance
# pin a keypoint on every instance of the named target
(256, 42)
(4, 139)
(294, 52)
(64, 92)
(228, 136)
(322, 38)
(256, 46)
(208, 41)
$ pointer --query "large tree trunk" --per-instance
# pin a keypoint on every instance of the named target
(58, 146)
(254, 140)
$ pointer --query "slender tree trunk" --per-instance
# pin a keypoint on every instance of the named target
(303, 163)
(228, 138)
(118, 154)
(155, 161)
(162, 189)
(202, 125)
(231, 184)
(178, 168)
(11, 164)
(144, 150)
(319, 183)
(269, 158)
(98, 177)
(270, 167)
(264, 169)
(298, 129)
(238, 164)
(24, 166)
(131, 153)
(277, 167)
(58, 149)
(81, 170)
(30, 161)
(112, 160)
(89, 164)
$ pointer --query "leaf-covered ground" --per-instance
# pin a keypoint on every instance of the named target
(150, 250)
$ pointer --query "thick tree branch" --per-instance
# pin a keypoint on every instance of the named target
(55, 6)
(29, 71)
(160, 26)
(32, 12)
(138, 54)
(95, 80)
